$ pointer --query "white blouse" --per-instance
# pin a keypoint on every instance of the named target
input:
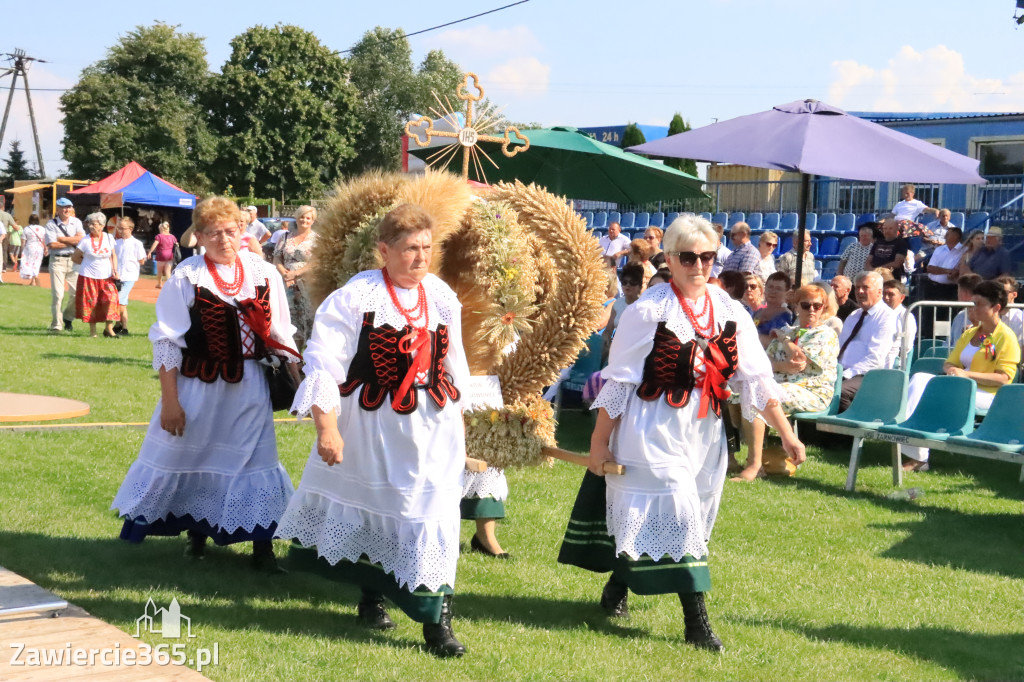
(96, 258)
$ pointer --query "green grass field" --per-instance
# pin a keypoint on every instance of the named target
(810, 582)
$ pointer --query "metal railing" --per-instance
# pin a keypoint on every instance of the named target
(941, 318)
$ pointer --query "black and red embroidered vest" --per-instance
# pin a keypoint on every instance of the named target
(214, 348)
(668, 369)
(379, 367)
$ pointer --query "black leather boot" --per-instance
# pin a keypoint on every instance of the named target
(372, 613)
(698, 628)
(263, 558)
(615, 599)
(439, 636)
(196, 548)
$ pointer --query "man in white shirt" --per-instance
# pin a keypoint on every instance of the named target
(867, 335)
(255, 227)
(614, 245)
(894, 293)
(1013, 317)
(63, 233)
(942, 264)
(131, 254)
(910, 208)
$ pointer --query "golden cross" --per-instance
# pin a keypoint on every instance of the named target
(469, 134)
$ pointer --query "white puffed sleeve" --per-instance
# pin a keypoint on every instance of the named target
(281, 328)
(633, 341)
(330, 350)
(754, 379)
(172, 321)
(455, 361)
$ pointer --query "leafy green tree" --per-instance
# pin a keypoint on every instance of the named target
(437, 74)
(632, 136)
(676, 126)
(141, 103)
(284, 113)
(15, 166)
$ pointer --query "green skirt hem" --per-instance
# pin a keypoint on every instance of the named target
(481, 508)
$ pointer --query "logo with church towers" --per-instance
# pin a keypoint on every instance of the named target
(165, 622)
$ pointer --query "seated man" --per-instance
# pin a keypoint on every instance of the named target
(614, 245)
(744, 257)
(867, 336)
(787, 261)
(1013, 317)
(842, 287)
(993, 259)
(894, 293)
(891, 251)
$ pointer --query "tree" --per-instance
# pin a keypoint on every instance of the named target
(283, 111)
(681, 125)
(437, 74)
(141, 103)
(15, 166)
(632, 136)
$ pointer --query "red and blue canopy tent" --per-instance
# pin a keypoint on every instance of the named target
(135, 185)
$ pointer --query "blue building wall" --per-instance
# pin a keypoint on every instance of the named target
(613, 134)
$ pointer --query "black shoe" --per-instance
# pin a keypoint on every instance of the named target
(477, 546)
(615, 600)
(68, 326)
(372, 613)
(118, 327)
(123, 332)
(196, 548)
(109, 335)
(698, 627)
(439, 636)
(263, 559)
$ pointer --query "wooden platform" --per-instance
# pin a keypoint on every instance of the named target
(24, 407)
(75, 626)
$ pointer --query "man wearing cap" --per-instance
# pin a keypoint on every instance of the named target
(63, 233)
(992, 260)
(255, 227)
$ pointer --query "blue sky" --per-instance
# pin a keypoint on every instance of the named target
(600, 63)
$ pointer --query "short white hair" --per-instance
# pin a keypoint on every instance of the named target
(97, 217)
(865, 275)
(685, 230)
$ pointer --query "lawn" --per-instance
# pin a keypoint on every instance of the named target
(810, 582)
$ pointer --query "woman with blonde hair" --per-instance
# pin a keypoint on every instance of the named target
(640, 252)
(653, 236)
(292, 258)
(163, 246)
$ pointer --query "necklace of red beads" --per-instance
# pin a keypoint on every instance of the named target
(97, 244)
(417, 312)
(704, 331)
(225, 288)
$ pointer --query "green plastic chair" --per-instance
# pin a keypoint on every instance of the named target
(833, 407)
(946, 409)
(882, 399)
(1003, 428)
(928, 365)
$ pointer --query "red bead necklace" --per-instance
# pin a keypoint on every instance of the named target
(227, 289)
(96, 244)
(417, 312)
(703, 331)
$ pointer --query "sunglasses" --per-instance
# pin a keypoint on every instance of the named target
(771, 244)
(689, 258)
(815, 306)
(630, 282)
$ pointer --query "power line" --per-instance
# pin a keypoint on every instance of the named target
(450, 23)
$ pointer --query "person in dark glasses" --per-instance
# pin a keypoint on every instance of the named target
(677, 354)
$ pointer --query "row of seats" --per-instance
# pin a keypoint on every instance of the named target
(784, 222)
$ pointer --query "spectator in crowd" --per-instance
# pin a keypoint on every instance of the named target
(765, 247)
(907, 211)
(938, 229)
(975, 242)
(774, 313)
(940, 286)
(841, 287)
(745, 256)
(1013, 317)
(632, 280)
(33, 249)
(254, 227)
(662, 276)
(292, 257)
(894, 293)
(992, 259)
(163, 246)
(723, 251)
(828, 314)
(63, 233)
(867, 335)
(734, 283)
(855, 256)
(753, 294)
(640, 253)
(787, 261)
(890, 252)
(131, 254)
(653, 235)
(804, 362)
(96, 294)
(14, 237)
(988, 352)
(614, 245)
(965, 287)
(7, 226)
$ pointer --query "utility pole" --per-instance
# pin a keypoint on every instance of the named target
(20, 62)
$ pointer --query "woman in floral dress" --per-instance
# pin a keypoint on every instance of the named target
(33, 248)
(291, 256)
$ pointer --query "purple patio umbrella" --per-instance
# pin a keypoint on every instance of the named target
(814, 138)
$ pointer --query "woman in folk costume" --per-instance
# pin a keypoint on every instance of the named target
(659, 415)
(209, 463)
(379, 497)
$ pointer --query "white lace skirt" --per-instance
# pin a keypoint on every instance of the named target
(489, 483)
(224, 469)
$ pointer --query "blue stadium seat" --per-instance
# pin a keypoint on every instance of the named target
(614, 217)
(754, 220)
(671, 218)
(600, 219)
(916, 243)
(843, 245)
(657, 220)
(626, 220)
(641, 221)
(783, 246)
(721, 219)
(770, 222)
(829, 270)
(846, 222)
(789, 222)
(976, 221)
(827, 222)
(811, 222)
(814, 246)
(958, 219)
(737, 217)
(754, 239)
(589, 217)
(706, 216)
(829, 246)
(600, 232)
(866, 218)
(818, 267)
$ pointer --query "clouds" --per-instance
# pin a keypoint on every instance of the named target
(506, 58)
(935, 79)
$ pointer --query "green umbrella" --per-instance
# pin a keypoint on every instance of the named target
(572, 164)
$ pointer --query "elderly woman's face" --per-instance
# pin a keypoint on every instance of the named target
(809, 311)
(696, 269)
(752, 295)
(220, 241)
(305, 221)
(408, 259)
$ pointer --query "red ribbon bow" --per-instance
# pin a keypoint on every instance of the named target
(410, 343)
(260, 325)
(714, 380)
